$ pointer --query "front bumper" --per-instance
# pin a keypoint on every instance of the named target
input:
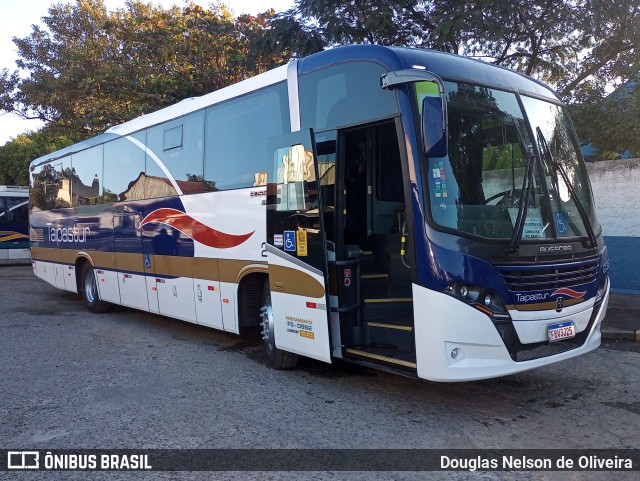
(445, 326)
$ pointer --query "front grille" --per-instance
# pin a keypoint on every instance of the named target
(522, 278)
(526, 352)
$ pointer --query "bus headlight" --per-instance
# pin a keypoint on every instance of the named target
(483, 299)
(602, 288)
(488, 300)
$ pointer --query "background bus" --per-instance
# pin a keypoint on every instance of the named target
(14, 223)
(400, 208)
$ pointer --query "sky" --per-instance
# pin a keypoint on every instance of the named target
(18, 16)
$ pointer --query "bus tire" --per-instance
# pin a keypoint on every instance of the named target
(278, 359)
(90, 291)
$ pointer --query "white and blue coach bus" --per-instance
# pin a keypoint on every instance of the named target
(14, 223)
(400, 208)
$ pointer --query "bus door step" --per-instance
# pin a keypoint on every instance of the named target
(388, 356)
(398, 335)
(375, 285)
(388, 309)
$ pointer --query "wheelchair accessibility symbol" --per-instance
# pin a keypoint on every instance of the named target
(561, 224)
(290, 240)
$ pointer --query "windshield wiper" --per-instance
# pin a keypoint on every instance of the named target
(523, 201)
(557, 167)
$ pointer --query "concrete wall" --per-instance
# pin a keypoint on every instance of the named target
(616, 189)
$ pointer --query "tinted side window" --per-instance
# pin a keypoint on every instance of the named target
(124, 177)
(51, 185)
(17, 210)
(87, 176)
(348, 93)
(179, 146)
(64, 177)
(236, 137)
(41, 194)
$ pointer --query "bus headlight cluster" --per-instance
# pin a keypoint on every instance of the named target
(488, 300)
(483, 299)
(602, 287)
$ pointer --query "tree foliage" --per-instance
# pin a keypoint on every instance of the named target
(564, 42)
(581, 47)
(16, 155)
(89, 68)
(611, 124)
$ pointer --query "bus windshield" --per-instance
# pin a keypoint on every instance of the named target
(478, 187)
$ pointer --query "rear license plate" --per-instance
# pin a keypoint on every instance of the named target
(561, 330)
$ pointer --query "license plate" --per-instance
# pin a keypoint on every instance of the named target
(561, 330)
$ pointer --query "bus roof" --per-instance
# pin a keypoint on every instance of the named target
(176, 110)
(193, 104)
(19, 190)
(448, 66)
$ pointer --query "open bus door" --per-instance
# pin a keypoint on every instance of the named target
(296, 248)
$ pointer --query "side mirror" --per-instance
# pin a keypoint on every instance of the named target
(434, 129)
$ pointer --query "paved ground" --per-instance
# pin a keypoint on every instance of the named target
(127, 379)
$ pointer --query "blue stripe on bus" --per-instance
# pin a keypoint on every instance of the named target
(103, 237)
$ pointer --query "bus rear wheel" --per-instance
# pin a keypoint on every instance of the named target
(278, 359)
(90, 291)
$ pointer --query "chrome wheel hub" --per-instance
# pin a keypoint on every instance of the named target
(267, 324)
(90, 287)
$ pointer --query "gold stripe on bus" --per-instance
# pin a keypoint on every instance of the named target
(102, 259)
(293, 281)
(13, 237)
(106, 260)
(174, 266)
(252, 269)
(377, 357)
(40, 253)
(68, 256)
(543, 306)
(389, 326)
(51, 254)
(230, 269)
(205, 268)
(127, 261)
(374, 276)
(390, 299)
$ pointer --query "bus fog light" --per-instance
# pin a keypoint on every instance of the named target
(455, 353)
(488, 300)
(464, 291)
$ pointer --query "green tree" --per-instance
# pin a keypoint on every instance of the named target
(564, 42)
(89, 68)
(580, 47)
(16, 155)
(611, 124)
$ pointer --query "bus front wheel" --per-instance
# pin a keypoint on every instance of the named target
(278, 359)
(90, 291)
